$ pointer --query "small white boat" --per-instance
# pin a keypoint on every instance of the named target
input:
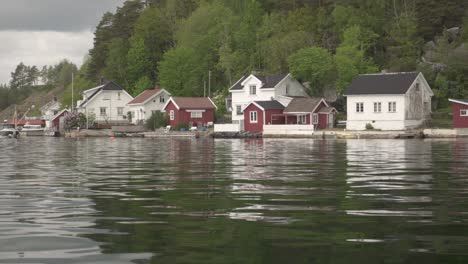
(32, 130)
(9, 132)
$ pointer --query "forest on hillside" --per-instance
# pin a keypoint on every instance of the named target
(323, 43)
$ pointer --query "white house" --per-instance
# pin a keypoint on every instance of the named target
(146, 103)
(256, 87)
(107, 103)
(49, 110)
(388, 101)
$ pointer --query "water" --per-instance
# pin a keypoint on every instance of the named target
(233, 201)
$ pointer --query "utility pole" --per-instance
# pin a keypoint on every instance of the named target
(73, 90)
(209, 83)
(204, 88)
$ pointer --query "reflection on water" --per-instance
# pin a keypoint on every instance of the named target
(233, 201)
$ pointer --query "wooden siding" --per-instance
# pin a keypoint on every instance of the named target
(182, 116)
(458, 120)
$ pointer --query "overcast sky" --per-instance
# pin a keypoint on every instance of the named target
(42, 32)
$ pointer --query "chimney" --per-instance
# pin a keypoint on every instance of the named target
(157, 86)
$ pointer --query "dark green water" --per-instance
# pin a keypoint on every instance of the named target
(233, 201)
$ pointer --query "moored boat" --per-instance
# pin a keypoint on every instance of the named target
(32, 130)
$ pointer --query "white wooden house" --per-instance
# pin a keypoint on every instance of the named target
(107, 103)
(388, 101)
(49, 110)
(146, 103)
(282, 87)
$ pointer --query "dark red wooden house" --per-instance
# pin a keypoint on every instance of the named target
(460, 113)
(195, 111)
(299, 111)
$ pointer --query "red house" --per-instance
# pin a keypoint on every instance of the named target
(460, 113)
(299, 111)
(57, 119)
(260, 113)
(195, 111)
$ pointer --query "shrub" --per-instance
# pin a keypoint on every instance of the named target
(369, 126)
(74, 120)
(157, 120)
(179, 126)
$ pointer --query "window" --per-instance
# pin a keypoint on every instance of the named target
(118, 96)
(417, 87)
(359, 107)
(120, 110)
(162, 99)
(302, 119)
(103, 111)
(392, 107)
(287, 89)
(253, 117)
(253, 90)
(239, 109)
(377, 107)
(171, 115)
(464, 112)
(196, 114)
(315, 119)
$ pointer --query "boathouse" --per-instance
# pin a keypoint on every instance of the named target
(194, 111)
(460, 113)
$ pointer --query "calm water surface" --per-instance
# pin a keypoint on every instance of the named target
(233, 201)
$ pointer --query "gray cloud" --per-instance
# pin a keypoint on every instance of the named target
(54, 15)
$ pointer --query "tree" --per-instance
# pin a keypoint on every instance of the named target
(313, 65)
(139, 62)
(143, 84)
(116, 62)
(181, 73)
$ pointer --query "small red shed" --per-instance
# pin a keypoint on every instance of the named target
(57, 119)
(194, 111)
(460, 113)
(260, 113)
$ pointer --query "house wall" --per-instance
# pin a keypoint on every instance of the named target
(253, 127)
(458, 120)
(294, 88)
(182, 116)
(111, 101)
(384, 120)
(418, 103)
(141, 112)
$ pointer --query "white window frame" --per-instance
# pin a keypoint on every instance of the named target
(253, 117)
(360, 107)
(392, 107)
(239, 110)
(253, 90)
(120, 111)
(315, 119)
(196, 114)
(171, 115)
(463, 110)
(302, 119)
(103, 111)
(377, 107)
(162, 99)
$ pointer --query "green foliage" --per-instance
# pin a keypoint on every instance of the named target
(314, 65)
(139, 62)
(116, 62)
(369, 126)
(157, 120)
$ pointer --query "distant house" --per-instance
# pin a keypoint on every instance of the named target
(314, 112)
(146, 103)
(57, 121)
(255, 87)
(107, 103)
(388, 101)
(460, 113)
(195, 111)
(49, 110)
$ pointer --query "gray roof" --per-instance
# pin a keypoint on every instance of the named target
(386, 83)
(270, 105)
(269, 81)
(302, 105)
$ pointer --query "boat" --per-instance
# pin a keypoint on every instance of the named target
(9, 132)
(32, 130)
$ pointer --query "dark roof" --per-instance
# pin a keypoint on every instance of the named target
(194, 102)
(460, 101)
(327, 109)
(145, 95)
(109, 86)
(385, 83)
(270, 105)
(302, 105)
(269, 81)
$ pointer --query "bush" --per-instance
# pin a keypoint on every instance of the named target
(157, 120)
(369, 126)
(179, 126)
(74, 120)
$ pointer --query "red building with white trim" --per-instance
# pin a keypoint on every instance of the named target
(194, 111)
(299, 111)
(460, 113)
